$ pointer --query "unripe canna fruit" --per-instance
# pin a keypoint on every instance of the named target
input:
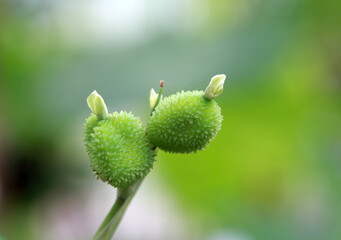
(119, 151)
(184, 122)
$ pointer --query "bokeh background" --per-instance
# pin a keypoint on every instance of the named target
(273, 172)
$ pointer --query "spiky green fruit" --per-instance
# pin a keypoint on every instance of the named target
(184, 122)
(119, 151)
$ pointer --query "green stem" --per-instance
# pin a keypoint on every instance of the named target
(159, 96)
(112, 220)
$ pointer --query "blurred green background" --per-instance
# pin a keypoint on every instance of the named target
(273, 172)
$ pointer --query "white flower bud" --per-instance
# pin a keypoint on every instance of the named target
(152, 98)
(216, 86)
(97, 105)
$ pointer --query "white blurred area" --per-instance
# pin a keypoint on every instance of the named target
(117, 23)
(152, 214)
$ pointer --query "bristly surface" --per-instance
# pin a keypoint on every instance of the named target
(184, 122)
(119, 151)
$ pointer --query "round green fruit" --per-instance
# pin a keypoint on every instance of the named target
(119, 151)
(184, 122)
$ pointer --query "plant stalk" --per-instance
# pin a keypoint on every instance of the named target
(112, 220)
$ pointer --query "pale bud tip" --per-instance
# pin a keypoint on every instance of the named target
(90, 100)
(152, 98)
(216, 86)
(162, 83)
(97, 105)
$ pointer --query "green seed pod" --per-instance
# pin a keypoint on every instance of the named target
(184, 122)
(119, 151)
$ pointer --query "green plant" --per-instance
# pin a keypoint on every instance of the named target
(122, 153)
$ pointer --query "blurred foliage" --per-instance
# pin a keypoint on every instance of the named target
(273, 172)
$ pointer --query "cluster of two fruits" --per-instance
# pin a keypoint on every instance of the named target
(121, 150)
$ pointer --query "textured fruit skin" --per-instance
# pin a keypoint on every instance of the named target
(119, 151)
(184, 122)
